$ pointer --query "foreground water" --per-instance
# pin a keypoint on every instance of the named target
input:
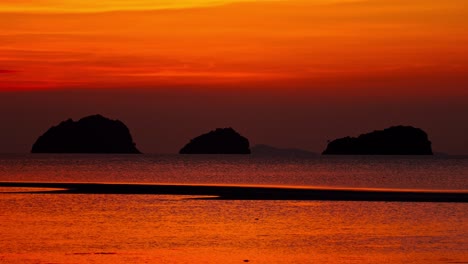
(97, 228)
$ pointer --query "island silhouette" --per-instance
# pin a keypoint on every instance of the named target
(219, 141)
(91, 134)
(396, 140)
(98, 134)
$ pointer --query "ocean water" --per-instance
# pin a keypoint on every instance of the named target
(417, 172)
(100, 228)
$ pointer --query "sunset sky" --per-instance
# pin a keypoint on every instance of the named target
(308, 69)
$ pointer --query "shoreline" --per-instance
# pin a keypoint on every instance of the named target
(234, 192)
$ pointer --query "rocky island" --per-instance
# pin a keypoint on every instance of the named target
(91, 134)
(219, 141)
(397, 140)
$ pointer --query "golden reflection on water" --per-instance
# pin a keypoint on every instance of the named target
(68, 228)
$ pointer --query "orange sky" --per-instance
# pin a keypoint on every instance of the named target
(389, 45)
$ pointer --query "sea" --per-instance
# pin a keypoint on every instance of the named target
(37, 226)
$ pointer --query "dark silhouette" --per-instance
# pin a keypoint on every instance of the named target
(92, 134)
(219, 141)
(397, 140)
(268, 151)
(230, 192)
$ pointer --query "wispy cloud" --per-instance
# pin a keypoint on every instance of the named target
(7, 71)
(78, 6)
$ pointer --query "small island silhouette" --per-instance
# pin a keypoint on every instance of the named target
(396, 140)
(91, 134)
(219, 141)
(270, 151)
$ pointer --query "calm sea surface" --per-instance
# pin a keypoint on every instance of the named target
(75, 228)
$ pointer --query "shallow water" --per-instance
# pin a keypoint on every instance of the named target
(97, 228)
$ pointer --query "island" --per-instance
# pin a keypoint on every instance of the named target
(91, 134)
(270, 151)
(396, 140)
(219, 141)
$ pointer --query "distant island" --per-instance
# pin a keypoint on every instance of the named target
(268, 151)
(397, 140)
(219, 141)
(91, 134)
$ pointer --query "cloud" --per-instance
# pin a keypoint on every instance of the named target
(66, 6)
(6, 71)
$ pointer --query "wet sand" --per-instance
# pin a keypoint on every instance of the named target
(228, 192)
